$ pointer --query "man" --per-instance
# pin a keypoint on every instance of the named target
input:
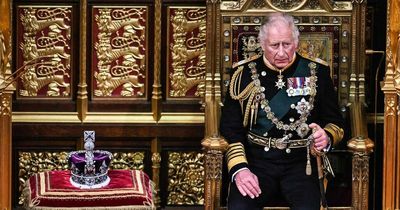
(280, 109)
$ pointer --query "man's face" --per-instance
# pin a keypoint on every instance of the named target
(279, 48)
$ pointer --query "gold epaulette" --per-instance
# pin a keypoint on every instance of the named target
(245, 61)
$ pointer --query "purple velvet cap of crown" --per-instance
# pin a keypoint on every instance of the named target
(78, 159)
(79, 177)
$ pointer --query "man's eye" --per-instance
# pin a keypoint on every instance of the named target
(275, 45)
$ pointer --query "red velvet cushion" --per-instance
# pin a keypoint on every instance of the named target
(128, 189)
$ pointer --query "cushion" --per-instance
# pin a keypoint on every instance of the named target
(128, 189)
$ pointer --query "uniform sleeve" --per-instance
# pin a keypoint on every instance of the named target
(232, 129)
(329, 116)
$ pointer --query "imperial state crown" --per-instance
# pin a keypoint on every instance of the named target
(89, 168)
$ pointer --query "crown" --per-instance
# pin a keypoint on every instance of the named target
(89, 168)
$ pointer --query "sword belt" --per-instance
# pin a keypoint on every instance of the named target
(279, 143)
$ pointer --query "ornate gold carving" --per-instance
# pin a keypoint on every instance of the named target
(361, 147)
(343, 6)
(5, 104)
(188, 54)
(186, 178)
(50, 73)
(390, 105)
(130, 160)
(214, 164)
(50, 49)
(156, 159)
(120, 50)
(397, 66)
(5, 99)
(315, 47)
(258, 3)
(35, 20)
(34, 162)
(313, 4)
(232, 5)
(286, 5)
(360, 179)
(251, 46)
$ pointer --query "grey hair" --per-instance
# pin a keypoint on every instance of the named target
(278, 17)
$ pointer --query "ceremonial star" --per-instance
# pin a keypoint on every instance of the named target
(280, 84)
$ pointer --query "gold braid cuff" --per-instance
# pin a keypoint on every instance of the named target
(248, 93)
(335, 131)
(235, 155)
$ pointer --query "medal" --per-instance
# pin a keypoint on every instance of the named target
(280, 83)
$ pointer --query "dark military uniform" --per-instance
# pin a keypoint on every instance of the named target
(261, 111)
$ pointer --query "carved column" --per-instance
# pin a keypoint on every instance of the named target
(5, 149)
(213, 144)
(360, 144)
(156, 159)
(6, 91)
(357, 76)
(391, 89)
(82, 98)
(361, 148)
(157, 94)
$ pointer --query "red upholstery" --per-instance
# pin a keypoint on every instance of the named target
(128, 189)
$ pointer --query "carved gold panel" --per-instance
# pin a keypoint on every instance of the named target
(186, 52)
(128, 160)
(185, 178)
(323, 38)
(35, 162)
(44, 49)
(119, 52)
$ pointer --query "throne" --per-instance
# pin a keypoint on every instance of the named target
(328, 31)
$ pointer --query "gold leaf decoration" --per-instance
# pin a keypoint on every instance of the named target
(186, 178)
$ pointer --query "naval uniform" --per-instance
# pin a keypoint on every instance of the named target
(265, 120)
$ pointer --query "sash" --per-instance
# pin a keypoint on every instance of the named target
(280, 103)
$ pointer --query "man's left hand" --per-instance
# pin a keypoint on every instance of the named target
(321, 139)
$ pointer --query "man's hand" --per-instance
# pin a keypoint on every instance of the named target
(321, 139)
(247, 183)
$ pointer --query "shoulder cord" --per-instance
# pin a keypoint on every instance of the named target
(248, 93)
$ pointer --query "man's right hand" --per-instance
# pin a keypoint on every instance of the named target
(247, 183)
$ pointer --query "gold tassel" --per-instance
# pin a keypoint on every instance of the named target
(308, 165)
(251, 117)
(255, 113)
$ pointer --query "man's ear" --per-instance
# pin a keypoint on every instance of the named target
(262, 46)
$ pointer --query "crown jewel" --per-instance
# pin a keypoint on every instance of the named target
(89, 168)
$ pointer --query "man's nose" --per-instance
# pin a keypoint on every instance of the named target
(281, 50)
